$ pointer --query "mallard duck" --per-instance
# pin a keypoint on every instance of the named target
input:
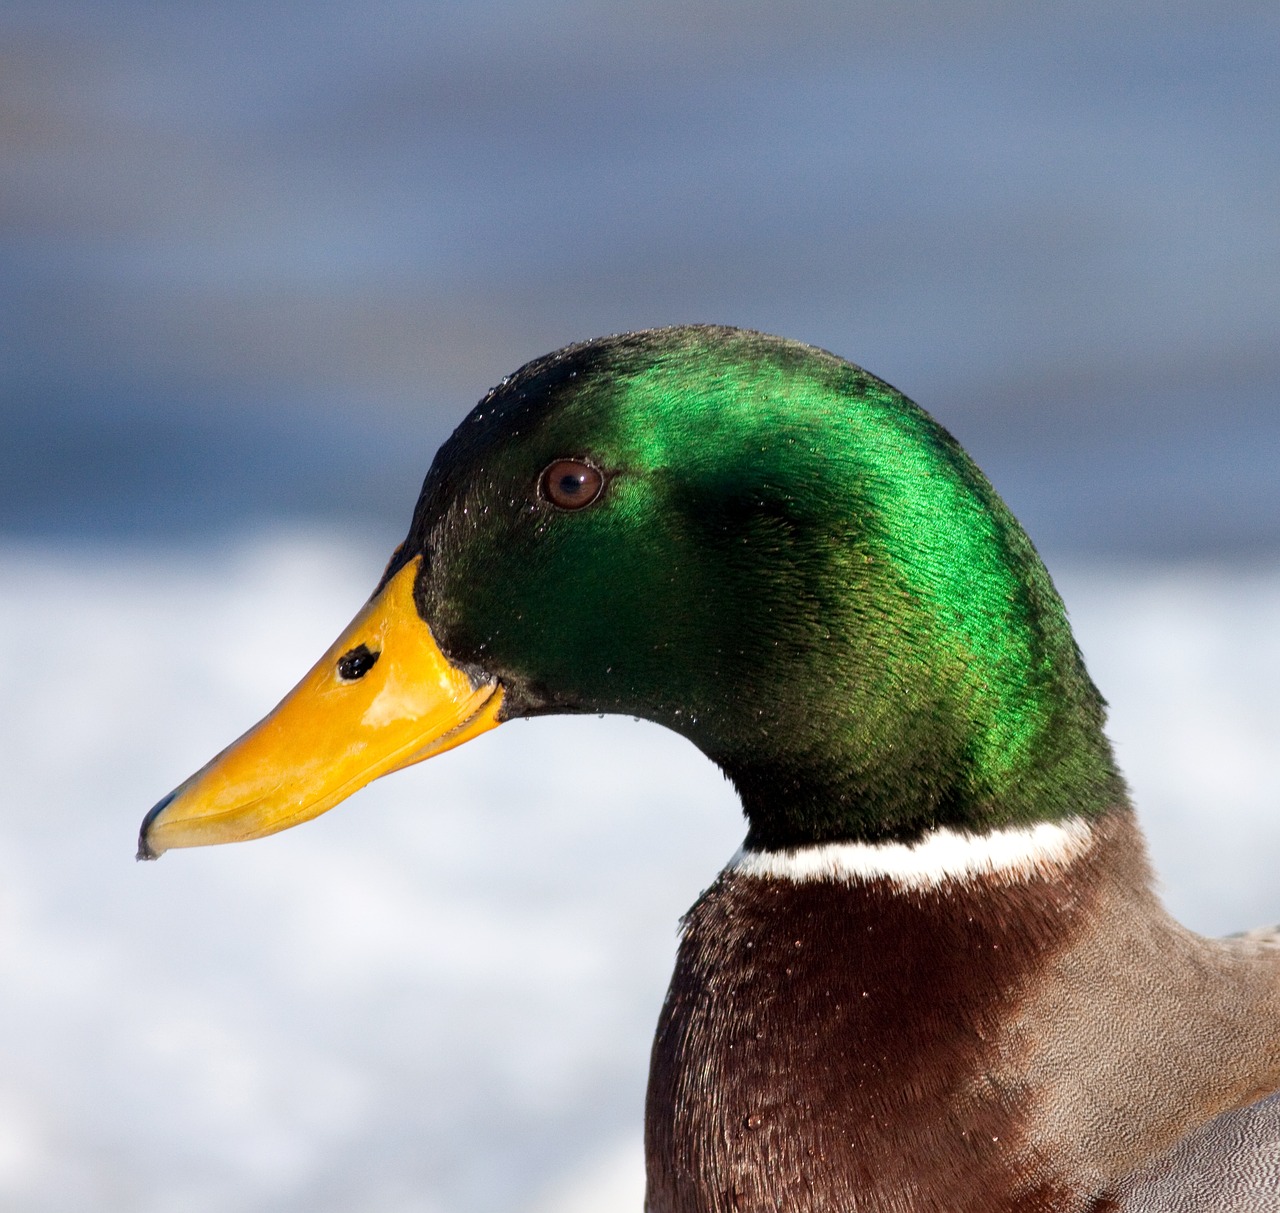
(935, 977)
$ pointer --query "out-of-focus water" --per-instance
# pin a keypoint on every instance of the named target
(257, 260)
(441, 995)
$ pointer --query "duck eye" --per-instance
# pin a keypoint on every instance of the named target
(571, 483)
(356, 663)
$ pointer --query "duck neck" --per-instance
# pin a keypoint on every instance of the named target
(906, 788)
(974, 717)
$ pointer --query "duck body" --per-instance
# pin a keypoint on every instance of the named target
(937, 977)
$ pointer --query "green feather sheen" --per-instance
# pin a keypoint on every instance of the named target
(792, 565)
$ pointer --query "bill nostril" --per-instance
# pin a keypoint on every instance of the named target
(356, 663)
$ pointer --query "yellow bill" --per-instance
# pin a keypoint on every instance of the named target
(383, 697)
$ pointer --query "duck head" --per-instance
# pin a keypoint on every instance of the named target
(745, 539)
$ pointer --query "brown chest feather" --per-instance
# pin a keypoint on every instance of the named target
(829, 1048)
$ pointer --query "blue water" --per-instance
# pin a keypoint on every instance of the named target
(256, 260)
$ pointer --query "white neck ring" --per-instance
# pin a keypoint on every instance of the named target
(941, 857)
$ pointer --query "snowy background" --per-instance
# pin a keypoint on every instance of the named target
(440, 995)
(257, 259)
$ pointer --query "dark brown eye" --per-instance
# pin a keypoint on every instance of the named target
(571, 483)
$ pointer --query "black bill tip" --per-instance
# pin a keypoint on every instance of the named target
(144, 847)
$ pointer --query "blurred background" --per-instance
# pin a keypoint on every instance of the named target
(256, 260)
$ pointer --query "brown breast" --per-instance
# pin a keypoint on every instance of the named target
(828, 1047)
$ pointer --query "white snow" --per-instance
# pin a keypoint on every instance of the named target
(439, 997)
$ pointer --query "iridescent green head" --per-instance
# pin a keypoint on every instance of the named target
(784, 560)
(745, 539)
